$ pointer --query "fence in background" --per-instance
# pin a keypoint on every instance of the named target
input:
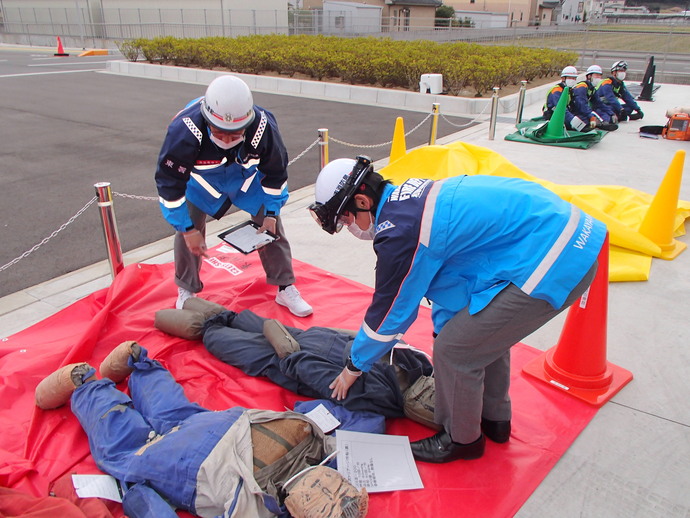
(84, 27)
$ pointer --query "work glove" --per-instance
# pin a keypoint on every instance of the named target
(636, 116)
(593, 122)
(195, 242)
(614, 118)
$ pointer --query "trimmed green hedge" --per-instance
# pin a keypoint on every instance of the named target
(372, 61)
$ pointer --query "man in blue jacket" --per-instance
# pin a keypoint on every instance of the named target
(497, 257)
(222, 150)
(586, 105)
(568, 79)
(615, 95)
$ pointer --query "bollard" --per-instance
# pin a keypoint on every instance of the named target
(323, 145)
(112, 239)
(521, 102)
(434, 123)
(494, 112)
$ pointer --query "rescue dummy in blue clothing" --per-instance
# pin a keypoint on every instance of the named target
(172, 453)
(497, 257)
(586, 105)
(615, 95)
(222, 150)
(306, 361)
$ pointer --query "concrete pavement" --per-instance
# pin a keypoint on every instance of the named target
(632, 459)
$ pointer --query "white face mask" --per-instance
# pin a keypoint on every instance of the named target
(364, 235)
(596, 81)
(226, 145)
(620, 76)
(570, 82)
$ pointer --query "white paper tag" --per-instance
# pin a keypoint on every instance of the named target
(98, 486)
(323, 418)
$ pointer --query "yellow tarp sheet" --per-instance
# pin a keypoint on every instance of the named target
(622, 209)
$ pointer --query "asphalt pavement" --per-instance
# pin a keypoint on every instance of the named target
(67, 125)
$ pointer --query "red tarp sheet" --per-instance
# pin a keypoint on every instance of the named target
(38, 447)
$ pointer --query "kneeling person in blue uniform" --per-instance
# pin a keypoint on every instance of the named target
(568, 79)
(497, 257)
(170, 452)
(222, 150)
(615, 95)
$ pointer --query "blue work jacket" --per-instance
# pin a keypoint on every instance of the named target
(460, 241)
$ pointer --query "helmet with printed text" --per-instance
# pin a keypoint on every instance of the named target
(228, 104)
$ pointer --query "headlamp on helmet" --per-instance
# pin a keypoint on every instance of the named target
(619, 65)
(328, 214)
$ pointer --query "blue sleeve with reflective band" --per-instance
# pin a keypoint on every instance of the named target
(178, 217)
(175, 164)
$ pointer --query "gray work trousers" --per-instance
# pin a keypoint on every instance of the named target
(472, 358)
(276, 258)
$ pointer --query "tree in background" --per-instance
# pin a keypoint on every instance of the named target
(445, 17)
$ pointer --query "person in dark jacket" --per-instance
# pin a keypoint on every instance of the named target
(307, 363)
(568, 80)
(222, 150)
(615, 95)
(586, 105)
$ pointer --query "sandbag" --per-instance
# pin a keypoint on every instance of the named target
(272, 440)
(280, 338)
(183, 323)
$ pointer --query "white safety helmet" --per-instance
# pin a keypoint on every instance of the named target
(569, 71)
(594, 69)
(619, 65)
(228, 104)
(332, 178)
(336, 186)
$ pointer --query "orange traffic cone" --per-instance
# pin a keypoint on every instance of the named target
(398, 147)
(659, 223)
(60, 50)
(577, 363)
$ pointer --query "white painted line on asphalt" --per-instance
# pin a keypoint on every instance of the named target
(46, 73)
(66, 64)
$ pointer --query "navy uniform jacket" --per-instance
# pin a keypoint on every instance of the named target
(584, 102)
(192, 168)
(610, 90)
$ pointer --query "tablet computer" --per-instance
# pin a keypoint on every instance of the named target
(244, 237)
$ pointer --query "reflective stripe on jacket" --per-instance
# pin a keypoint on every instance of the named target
(191, 167)
(460, 241)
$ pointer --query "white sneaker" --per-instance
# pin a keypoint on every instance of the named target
(182, 295)
(291, 299)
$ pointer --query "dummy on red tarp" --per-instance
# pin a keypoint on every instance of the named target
(38, 447)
